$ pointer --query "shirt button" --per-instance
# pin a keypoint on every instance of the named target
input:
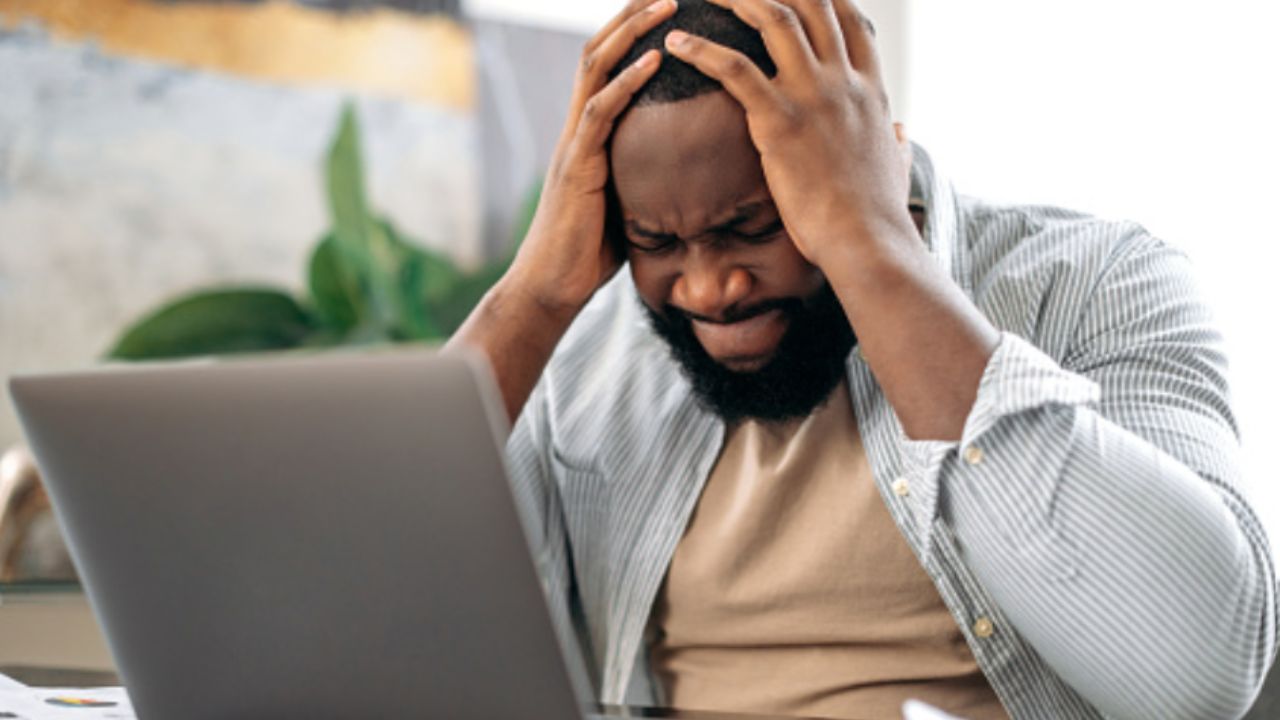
(901, 487)
(984, 628)
(974, 455)
(858, 350)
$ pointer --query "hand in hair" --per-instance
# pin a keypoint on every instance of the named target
(837, 167)
(838, 170)
(564, 259)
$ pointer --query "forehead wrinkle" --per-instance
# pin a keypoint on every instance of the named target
(741, 213)
(685, 169)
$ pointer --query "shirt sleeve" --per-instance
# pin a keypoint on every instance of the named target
(1098, 500)
(537, 496)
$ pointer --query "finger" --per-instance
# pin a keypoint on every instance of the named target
(632, 8)
(780, 27)
(823, 27)
(859, 35)
(817, 17)
(602, 110)
(735, 71)
(606, 49)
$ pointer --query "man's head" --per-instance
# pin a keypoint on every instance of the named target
(756, 328)
(678, 81)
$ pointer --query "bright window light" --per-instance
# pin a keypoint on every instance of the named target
(1160, 112)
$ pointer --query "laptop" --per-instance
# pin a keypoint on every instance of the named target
(302, 537)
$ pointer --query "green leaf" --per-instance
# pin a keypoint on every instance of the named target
(217, 322)
(335, 287)
(361, 240)
(433, 296)
(387, 275)
(348, 205)
(426, 277)
(414, 322)
(441, 277)
(451, 307)
(451, 311)
(368, 284)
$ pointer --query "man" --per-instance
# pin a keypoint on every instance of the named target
(839, 437)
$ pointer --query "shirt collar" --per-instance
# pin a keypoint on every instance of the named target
(942, 228)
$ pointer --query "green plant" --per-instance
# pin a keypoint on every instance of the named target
(366, 284)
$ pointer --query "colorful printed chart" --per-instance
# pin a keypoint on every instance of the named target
(64, 701)
(19, 702)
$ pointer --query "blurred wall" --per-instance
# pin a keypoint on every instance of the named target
(526, 79)
(1135, 109)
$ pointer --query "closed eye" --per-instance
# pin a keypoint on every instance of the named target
(660, 244)
(653, 246)
(764, 234)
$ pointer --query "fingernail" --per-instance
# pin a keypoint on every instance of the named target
(647, 60)
(677, 39)
(661, 5)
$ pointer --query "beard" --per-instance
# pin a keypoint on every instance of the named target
(806, 367)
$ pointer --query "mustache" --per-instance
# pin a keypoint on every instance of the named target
(788, 306)
(808, 365)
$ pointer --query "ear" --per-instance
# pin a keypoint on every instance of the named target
(904, 149)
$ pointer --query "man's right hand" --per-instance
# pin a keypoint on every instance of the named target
(565, 257)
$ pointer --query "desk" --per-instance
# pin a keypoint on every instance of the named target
(50, 625)
(60, 677)
(609, 711)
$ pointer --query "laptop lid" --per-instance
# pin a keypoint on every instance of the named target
(323, 536)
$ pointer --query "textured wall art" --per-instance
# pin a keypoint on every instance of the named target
(150, 148)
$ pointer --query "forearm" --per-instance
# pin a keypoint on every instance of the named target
(1146, 587)
(923, 339)
(517, 335)
(1130, 562)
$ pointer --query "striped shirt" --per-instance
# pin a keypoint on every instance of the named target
(1088, 532)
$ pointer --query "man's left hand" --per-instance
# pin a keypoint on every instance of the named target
(837, 167)
(839, 172)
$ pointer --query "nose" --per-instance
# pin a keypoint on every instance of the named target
(710, 283)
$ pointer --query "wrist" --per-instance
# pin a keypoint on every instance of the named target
(535, 303)
(865, 247)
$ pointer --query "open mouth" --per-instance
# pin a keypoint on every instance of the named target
(745, 345)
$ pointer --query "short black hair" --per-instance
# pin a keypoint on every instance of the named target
(676, 80)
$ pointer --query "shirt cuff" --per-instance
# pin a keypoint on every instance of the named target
(1018, 377)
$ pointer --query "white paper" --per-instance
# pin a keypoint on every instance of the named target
(916, 710)
(8, 683)
(24, 703)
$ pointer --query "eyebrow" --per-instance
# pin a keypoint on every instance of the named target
(741, 214)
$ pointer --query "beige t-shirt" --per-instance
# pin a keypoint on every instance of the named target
(793, 592)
